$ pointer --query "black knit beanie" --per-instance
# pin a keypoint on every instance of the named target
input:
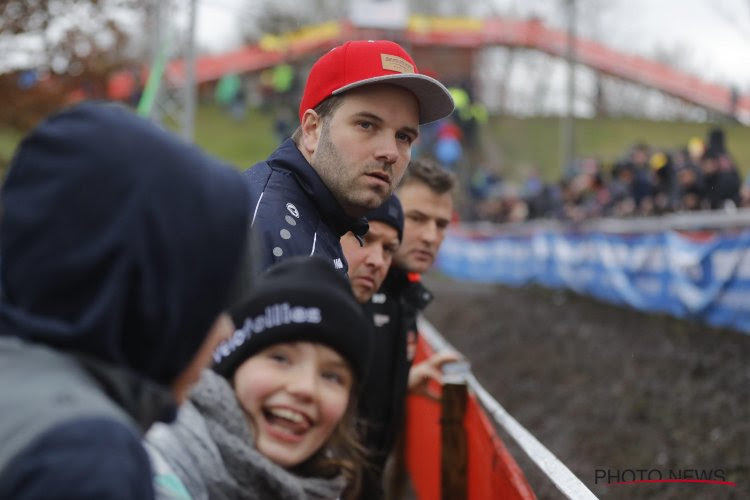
(391, 213)
(298, 299)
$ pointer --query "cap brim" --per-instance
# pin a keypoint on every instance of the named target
(435, 101)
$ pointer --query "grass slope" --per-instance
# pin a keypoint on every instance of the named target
(240, 143)
(510, 142)
(537, 140)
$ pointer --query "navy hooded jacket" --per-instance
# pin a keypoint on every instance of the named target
(118, 244)
(294, 212)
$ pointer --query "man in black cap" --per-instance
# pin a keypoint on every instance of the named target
(426, 198)
(721, 180)
(370, 257)
(381, 395)
(385, 387)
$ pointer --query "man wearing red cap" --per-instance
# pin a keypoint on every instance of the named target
(359, 116)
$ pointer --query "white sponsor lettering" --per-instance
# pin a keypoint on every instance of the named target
(273, 316)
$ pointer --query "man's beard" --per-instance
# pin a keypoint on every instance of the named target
(332, 168)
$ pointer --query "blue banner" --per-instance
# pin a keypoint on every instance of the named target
(704, 276)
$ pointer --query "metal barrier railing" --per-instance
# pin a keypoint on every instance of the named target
(567, 482)
(678, 221)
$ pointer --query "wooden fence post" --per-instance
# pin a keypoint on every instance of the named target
(453, 457)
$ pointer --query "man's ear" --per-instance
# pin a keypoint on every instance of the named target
(312, 126)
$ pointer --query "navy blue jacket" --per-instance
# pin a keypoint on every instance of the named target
(118, 243)
(294, 212)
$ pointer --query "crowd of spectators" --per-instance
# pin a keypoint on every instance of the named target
(645, 181)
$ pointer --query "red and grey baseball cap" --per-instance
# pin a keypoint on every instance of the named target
(364, 62)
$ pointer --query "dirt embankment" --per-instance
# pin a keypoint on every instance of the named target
(605, 387)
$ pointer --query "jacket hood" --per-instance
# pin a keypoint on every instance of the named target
(118, 240)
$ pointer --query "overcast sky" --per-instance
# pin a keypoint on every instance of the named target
(712, 36)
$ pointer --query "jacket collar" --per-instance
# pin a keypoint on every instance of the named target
(288, 157)
(408, 286)
(395, 281)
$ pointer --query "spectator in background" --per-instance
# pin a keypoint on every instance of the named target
(275, 418)
(448, 147)
(664, 182)
(230, 94)
(513, 207)
(646, 181)
(470, 115)
(642, 186)
(689, 188)
(695, 149)
(384, 386)
(370, 257)
(586, 194)
(119, 243)
(360, 113)
(721, 181)
(282, 123)
(484, 184)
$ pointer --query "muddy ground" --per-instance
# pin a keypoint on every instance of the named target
(605, 387)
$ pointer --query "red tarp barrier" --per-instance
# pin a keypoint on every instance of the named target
(492, 471)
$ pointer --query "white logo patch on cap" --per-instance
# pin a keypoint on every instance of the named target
(395, 63)
(273, 315)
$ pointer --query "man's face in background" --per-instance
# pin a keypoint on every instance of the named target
(369, 263)
(426, 217)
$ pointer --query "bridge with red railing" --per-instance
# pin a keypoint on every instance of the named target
(467, 33)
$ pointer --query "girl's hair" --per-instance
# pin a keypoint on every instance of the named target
(343, 453)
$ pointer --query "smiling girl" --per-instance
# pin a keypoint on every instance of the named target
(275, 417)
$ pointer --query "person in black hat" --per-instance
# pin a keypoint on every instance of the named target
(370, 257)
(720, 177)
(119, 242)
(275, 416)
(369, 263)
(426, 199)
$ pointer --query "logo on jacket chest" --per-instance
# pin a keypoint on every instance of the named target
(292, 210)
(379, 298)
(380, 319)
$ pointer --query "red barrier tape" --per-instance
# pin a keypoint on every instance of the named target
(492, 471)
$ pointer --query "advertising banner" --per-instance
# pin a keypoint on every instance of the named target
(704, 276)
